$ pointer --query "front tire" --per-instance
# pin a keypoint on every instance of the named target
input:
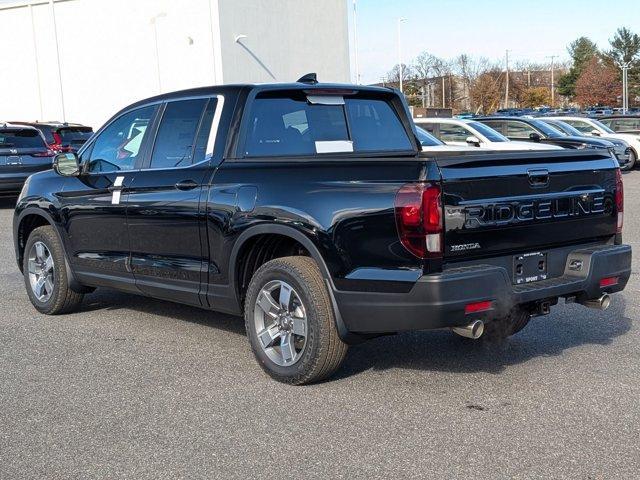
(45, 273)
(290, 322)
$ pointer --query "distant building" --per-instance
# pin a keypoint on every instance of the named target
(452, 91)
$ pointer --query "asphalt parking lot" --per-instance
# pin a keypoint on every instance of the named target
(137, 388)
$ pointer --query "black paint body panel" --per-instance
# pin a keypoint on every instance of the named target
(184, 245)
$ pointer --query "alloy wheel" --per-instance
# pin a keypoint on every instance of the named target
(41, 271)
(280, 322)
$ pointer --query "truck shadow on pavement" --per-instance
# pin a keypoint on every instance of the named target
(569, 326)
(111, 300)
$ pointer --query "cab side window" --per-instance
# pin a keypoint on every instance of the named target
(453, 133)
(519, 130)
(181, 137)
(117, 147)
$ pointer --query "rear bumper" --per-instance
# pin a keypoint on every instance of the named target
(439, 300)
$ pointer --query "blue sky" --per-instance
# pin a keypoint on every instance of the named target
(446, 28)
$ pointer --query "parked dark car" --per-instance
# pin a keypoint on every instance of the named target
(311, 210)
(61, 136)
(23, 151)
(622, 150)
(622, 123)
(535, 130)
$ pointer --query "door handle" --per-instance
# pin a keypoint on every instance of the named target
(186, 185)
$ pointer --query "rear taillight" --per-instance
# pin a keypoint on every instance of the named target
(419, 219)
(46, 153)
(619, 201)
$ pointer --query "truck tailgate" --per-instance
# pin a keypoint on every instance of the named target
(522, 202)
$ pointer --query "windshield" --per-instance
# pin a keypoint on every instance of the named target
(602, 126)
(26, 138)
(546, 129)
(488, 132)
(426, 139)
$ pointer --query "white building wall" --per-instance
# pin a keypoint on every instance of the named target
(284, 40)
(108, 51)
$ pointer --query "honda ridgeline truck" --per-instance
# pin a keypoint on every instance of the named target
(310, 210)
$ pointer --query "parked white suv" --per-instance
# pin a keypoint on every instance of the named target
(461, 132)
(594, 128)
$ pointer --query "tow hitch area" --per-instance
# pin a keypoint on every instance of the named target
(541, 308)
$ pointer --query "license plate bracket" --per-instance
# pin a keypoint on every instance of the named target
(529, 267)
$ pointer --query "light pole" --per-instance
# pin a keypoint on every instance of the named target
(55, 35)
(400, 69)
(625, 86)
(153, 22)
(506, 90)
(553, 93)
(355, 43)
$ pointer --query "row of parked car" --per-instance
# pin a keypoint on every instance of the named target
(530, 133)
(29, 147)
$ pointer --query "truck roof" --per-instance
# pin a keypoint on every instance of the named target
(236, 88)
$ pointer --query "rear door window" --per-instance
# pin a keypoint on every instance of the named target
(295, 125)
(453, 133)
(623, 124)
(519, 130)
(19, 139)
(176, 138)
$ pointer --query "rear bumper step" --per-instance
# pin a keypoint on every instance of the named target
(439, 300)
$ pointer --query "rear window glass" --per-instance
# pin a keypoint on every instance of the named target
(74, 134)
(284, 126)
(21, 139)
(375, 126)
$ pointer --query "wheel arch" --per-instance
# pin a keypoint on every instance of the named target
(30, 219)
(250, 235)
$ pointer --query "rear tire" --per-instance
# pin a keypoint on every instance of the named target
(290, 322)
(45, 273)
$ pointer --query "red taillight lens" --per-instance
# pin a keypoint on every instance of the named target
(47, 153)
(419, 219)
(619, 201)
(478, 307)
(608, 282)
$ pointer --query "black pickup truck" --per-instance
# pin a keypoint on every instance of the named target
(310, 209)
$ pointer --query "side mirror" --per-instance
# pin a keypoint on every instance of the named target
(473, 141)
(595, 133)
(535, 136)
(66, 164)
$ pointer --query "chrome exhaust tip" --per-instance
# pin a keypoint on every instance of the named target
(601, 303)
(474, 330)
